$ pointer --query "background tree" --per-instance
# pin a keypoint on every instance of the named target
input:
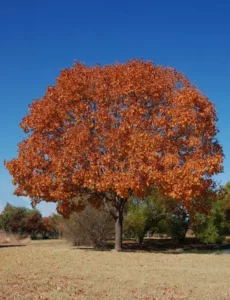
(102, 134)
(54, 221)
(17, 224)
(211, 226)
(22, 220)
(143, 215)
(46, 228)
(35, 225)
(50, 228)
(227, 199)
(6, 216)
(177, 221)
(13, 218)
(211, 229)
(156, 214)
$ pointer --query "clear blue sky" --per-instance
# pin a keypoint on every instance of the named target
(38, 38)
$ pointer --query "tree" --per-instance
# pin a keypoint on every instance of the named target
(18, 222)
(137, 219)
(213, 227)
(46, 228)
(34, 225)
(55, 225)
(103, 134)
(227, 199)
(143, 215)
(6, 216)
(13, 218)
(178, 223)
(50, 228)
(156, 214)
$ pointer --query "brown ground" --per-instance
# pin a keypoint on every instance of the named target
(53, 270)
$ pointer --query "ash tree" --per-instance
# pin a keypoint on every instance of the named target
(104, 133)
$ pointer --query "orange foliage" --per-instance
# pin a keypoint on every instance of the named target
(117, 128)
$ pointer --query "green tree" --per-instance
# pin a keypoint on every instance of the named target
(6, 216)
(156, 213)
(177, 222)
(137, 220)
(227, 199)
(143, 215)
(211, 228)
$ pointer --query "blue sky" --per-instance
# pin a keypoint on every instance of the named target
(39, 38)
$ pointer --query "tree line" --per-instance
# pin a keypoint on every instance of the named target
(24, 221)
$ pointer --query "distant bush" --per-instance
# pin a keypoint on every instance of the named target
(91, 227)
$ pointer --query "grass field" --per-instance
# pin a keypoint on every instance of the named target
(54, 270)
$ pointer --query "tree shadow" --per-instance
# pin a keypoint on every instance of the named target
(154, 245)
(107, 247)
(11, 246)
(158, 245)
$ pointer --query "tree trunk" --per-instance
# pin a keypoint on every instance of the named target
(140, 240)
(118, 223)
(118, 232)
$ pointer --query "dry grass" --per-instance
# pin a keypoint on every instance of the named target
(12, 239)
(52, 270)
